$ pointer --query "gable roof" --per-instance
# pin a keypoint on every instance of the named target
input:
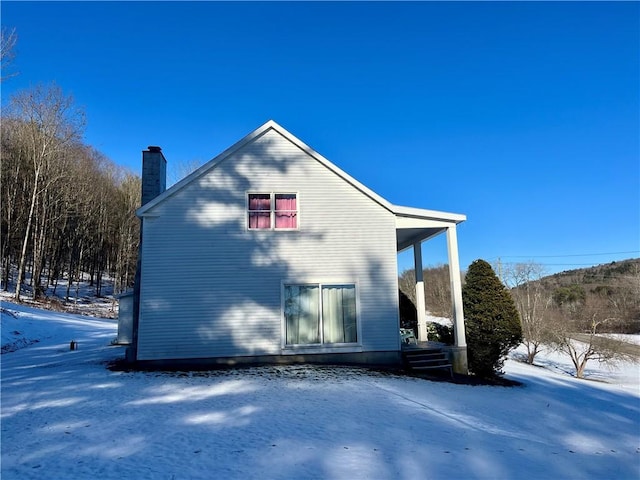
(257, 133)
(405, 212)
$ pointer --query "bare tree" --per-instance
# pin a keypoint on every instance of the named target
(625, 298)
(50, 123)
(14, 178)
(127, 231)
(532, 301)
(181, 169)
(576, 333)
(437, 290)
(65, 209)
(407, 284)
(8, 40)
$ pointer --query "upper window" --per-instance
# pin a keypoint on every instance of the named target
(273, 211)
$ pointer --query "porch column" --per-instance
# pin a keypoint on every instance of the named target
(456, 286)
(460, 348)
(421, 307)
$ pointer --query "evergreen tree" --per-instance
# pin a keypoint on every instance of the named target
(491, 318)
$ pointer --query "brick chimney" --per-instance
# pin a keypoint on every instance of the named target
(154, 174)
(154, 182)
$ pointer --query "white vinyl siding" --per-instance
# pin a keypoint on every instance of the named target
(213, 288)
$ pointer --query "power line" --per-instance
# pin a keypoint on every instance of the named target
(561, 264)
(569, 255)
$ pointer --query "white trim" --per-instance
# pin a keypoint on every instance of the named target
(412, 222)
(456, 287)
(320, 347)
(271, 125)
(254, 135)
(257, 133)
(424, 214)
(272, 210)
(421, 308)
(317, 349)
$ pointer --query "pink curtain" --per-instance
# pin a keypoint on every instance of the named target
(260, 201)
(259, 220)
(286, 211)
(259, 210)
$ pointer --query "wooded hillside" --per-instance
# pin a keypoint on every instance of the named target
(610, 291)
(612, 287)
(66, 210)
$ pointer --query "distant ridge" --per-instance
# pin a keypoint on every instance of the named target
(613, 273)
(615, 286)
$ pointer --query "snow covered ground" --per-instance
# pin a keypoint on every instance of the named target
(65, 415)
(635, 339)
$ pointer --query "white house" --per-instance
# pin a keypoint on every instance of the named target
(271, 253)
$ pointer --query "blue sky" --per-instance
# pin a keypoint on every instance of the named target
(524, 116)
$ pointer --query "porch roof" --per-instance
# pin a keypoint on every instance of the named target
(415, 225)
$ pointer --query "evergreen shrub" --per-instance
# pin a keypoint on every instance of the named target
(492, 321)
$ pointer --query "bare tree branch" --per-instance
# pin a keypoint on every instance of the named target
(532, 302)
(8, 40)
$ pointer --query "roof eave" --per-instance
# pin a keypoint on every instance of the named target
(249, 138)
(207, 166)
(424, 214)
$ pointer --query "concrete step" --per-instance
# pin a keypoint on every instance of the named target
(427, 359)
(427, 356)
(426, 363)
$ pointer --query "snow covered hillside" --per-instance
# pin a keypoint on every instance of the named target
(65, 415)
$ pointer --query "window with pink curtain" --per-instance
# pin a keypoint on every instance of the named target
(259, 210)
(286, 210)
(279, 211)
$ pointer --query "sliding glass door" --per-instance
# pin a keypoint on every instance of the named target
(320, 314)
